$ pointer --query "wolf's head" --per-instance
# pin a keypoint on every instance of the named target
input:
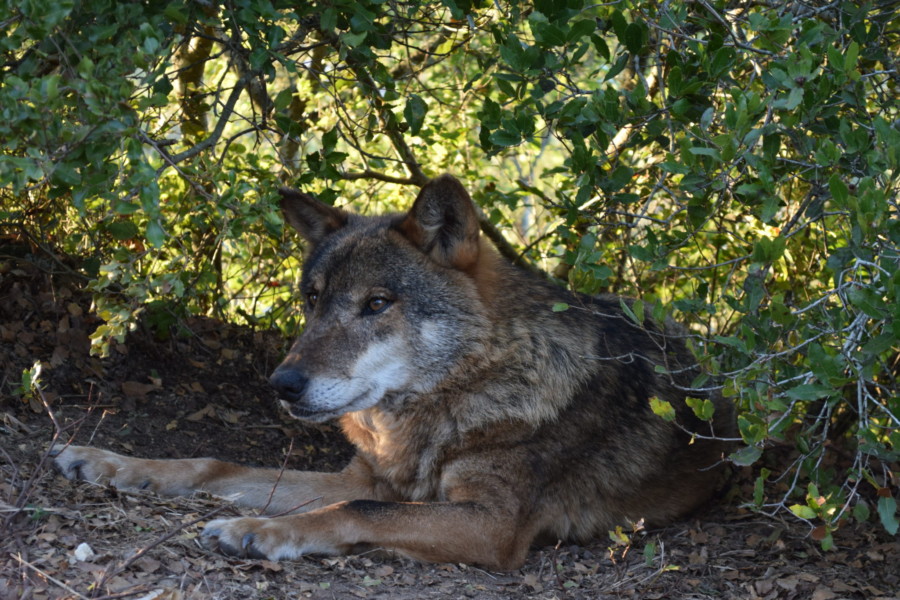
(391, 302)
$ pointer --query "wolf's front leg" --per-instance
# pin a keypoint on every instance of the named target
(276, 491)
(483, 533)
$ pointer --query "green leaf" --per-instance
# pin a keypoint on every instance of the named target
(490, 114)
(414, 113)
(155, 234)
(328, 22)
(65, 174)
(513, 54)
(880, 343)
(803, 511)
(634, 38)
(329, 140)
(283, 99)
(617, 68)
(174, 13)
(711, 152)
(600, 46)
(560, 307)
(792, 101)
(868, 301)
(850, 57)
(580, 29)
(353, 40)
(635, 311)
(734, 342)
(505, 138)
(50, 86)
(662, 409)
(759, 486)
(861, 512)
(809, 391)
(546, 34)
(767, 250)
(887, 512)
(122, 230)
(703, 408)
(649, 553)
(746, 456)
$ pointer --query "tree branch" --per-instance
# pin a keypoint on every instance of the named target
(504, 247)
(220, 125)
(417, 176)
(369, 174)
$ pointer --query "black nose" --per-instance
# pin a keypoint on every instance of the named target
(290, 383)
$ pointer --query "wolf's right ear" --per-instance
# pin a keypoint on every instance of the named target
(312, 219)
(444, 224)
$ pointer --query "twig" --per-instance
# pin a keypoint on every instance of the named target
(281, 470)
(110, 573)
(167, 158)
(554, 564)
(48, 577)
(296, 507)
(369, 174)
(27, 486)
(220, 125)
(505, 248)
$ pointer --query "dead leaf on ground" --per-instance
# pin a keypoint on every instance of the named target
(823, 593)
(531, 580)
(789, 583)
(136, 389)
(207, 411)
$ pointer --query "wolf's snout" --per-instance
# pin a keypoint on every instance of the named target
(289, 383)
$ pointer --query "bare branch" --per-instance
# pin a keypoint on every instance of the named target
(369, 174)
(211, 140)
(506, 249)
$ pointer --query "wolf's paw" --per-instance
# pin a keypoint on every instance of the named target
(277, 538)
(81, 463)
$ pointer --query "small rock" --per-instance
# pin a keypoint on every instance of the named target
(84, 552)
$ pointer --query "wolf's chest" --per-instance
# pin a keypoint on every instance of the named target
(405, 454)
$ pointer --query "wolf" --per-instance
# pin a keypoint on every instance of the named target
(484, 421)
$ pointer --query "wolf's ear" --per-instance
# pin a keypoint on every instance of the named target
(444, 224)
(312, 219)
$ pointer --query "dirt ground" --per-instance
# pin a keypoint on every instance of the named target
(205, 394)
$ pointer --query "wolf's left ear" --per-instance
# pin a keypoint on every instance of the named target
(312, 219)
(444, 224)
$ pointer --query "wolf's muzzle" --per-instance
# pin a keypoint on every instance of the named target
(289, 383)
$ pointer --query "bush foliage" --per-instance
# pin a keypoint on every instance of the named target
(732, 164)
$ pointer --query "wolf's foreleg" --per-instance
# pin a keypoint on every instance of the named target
(469, 532)
(277, 491)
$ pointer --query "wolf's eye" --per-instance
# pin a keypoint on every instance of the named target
(376, 304)
(311, 298)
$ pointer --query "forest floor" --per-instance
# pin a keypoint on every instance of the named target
(205, 394)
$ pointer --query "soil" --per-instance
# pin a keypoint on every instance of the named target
(204, 393)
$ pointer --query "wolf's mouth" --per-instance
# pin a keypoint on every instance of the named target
(299, 411)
